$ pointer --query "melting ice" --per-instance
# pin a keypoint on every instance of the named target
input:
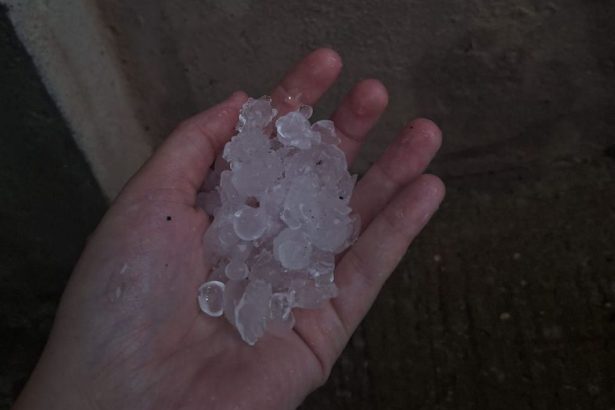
(279, 196)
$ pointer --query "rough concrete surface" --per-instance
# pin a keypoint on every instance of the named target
(512, 76)
(507, 300)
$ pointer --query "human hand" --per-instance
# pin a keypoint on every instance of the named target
(129, 333)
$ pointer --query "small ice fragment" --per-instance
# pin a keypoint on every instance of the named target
(345, 186)
(281, 318)
(322, 267)
(243, 251)
(331, 235)
(253, 177)
(355, 231)
(229, 196)
(249, 223)
(306, 111)
(220, 238)
(281, 304)
(292, 249)
(236, 270)
(294, 129)
(211, 299)
(233, 291)
(256, 113)
(326, 129)
(227, 236)
(290, 219)
(252, 311)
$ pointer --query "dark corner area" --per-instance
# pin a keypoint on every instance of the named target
(50, 202)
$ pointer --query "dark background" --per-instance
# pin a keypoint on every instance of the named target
(506, 301)
(49, 204)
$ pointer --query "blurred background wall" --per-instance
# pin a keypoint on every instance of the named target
(507, 300)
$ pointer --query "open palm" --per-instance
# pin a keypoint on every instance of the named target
(129, 334)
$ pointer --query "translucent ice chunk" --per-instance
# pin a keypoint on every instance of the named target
(254, 177)
(263, 266)
(236, 270)
(250, 223)
(290, 218)
(211, 299)
(326, 129)
(245, 149)
(306, 111)
(330, 165)
(252, 311)
(321, 268)
(279, 195)
(300, 204)
(294, 129)
(281, 305)
(281, 317)
(292, 249)
(330, 235)
(229, 196)
(233, 291)
(256, 113)
(243, 251)
(220, 238)
(355, 230)
(345, 186)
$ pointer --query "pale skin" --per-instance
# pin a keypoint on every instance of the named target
(128, 333)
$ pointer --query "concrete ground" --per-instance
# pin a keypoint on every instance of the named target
(506, 301)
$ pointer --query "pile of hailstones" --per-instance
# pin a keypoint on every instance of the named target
(279, 196)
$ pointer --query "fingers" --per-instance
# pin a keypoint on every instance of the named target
(311, 78)
(362, 271)
(182, 161)
(403, 161)
(358, 113)
(307, 81)
(369, 262)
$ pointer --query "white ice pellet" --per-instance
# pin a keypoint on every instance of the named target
(253, 310)
(281, 318)
(250, 223)
(292, 249)
(236, 270)
(279, 196)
